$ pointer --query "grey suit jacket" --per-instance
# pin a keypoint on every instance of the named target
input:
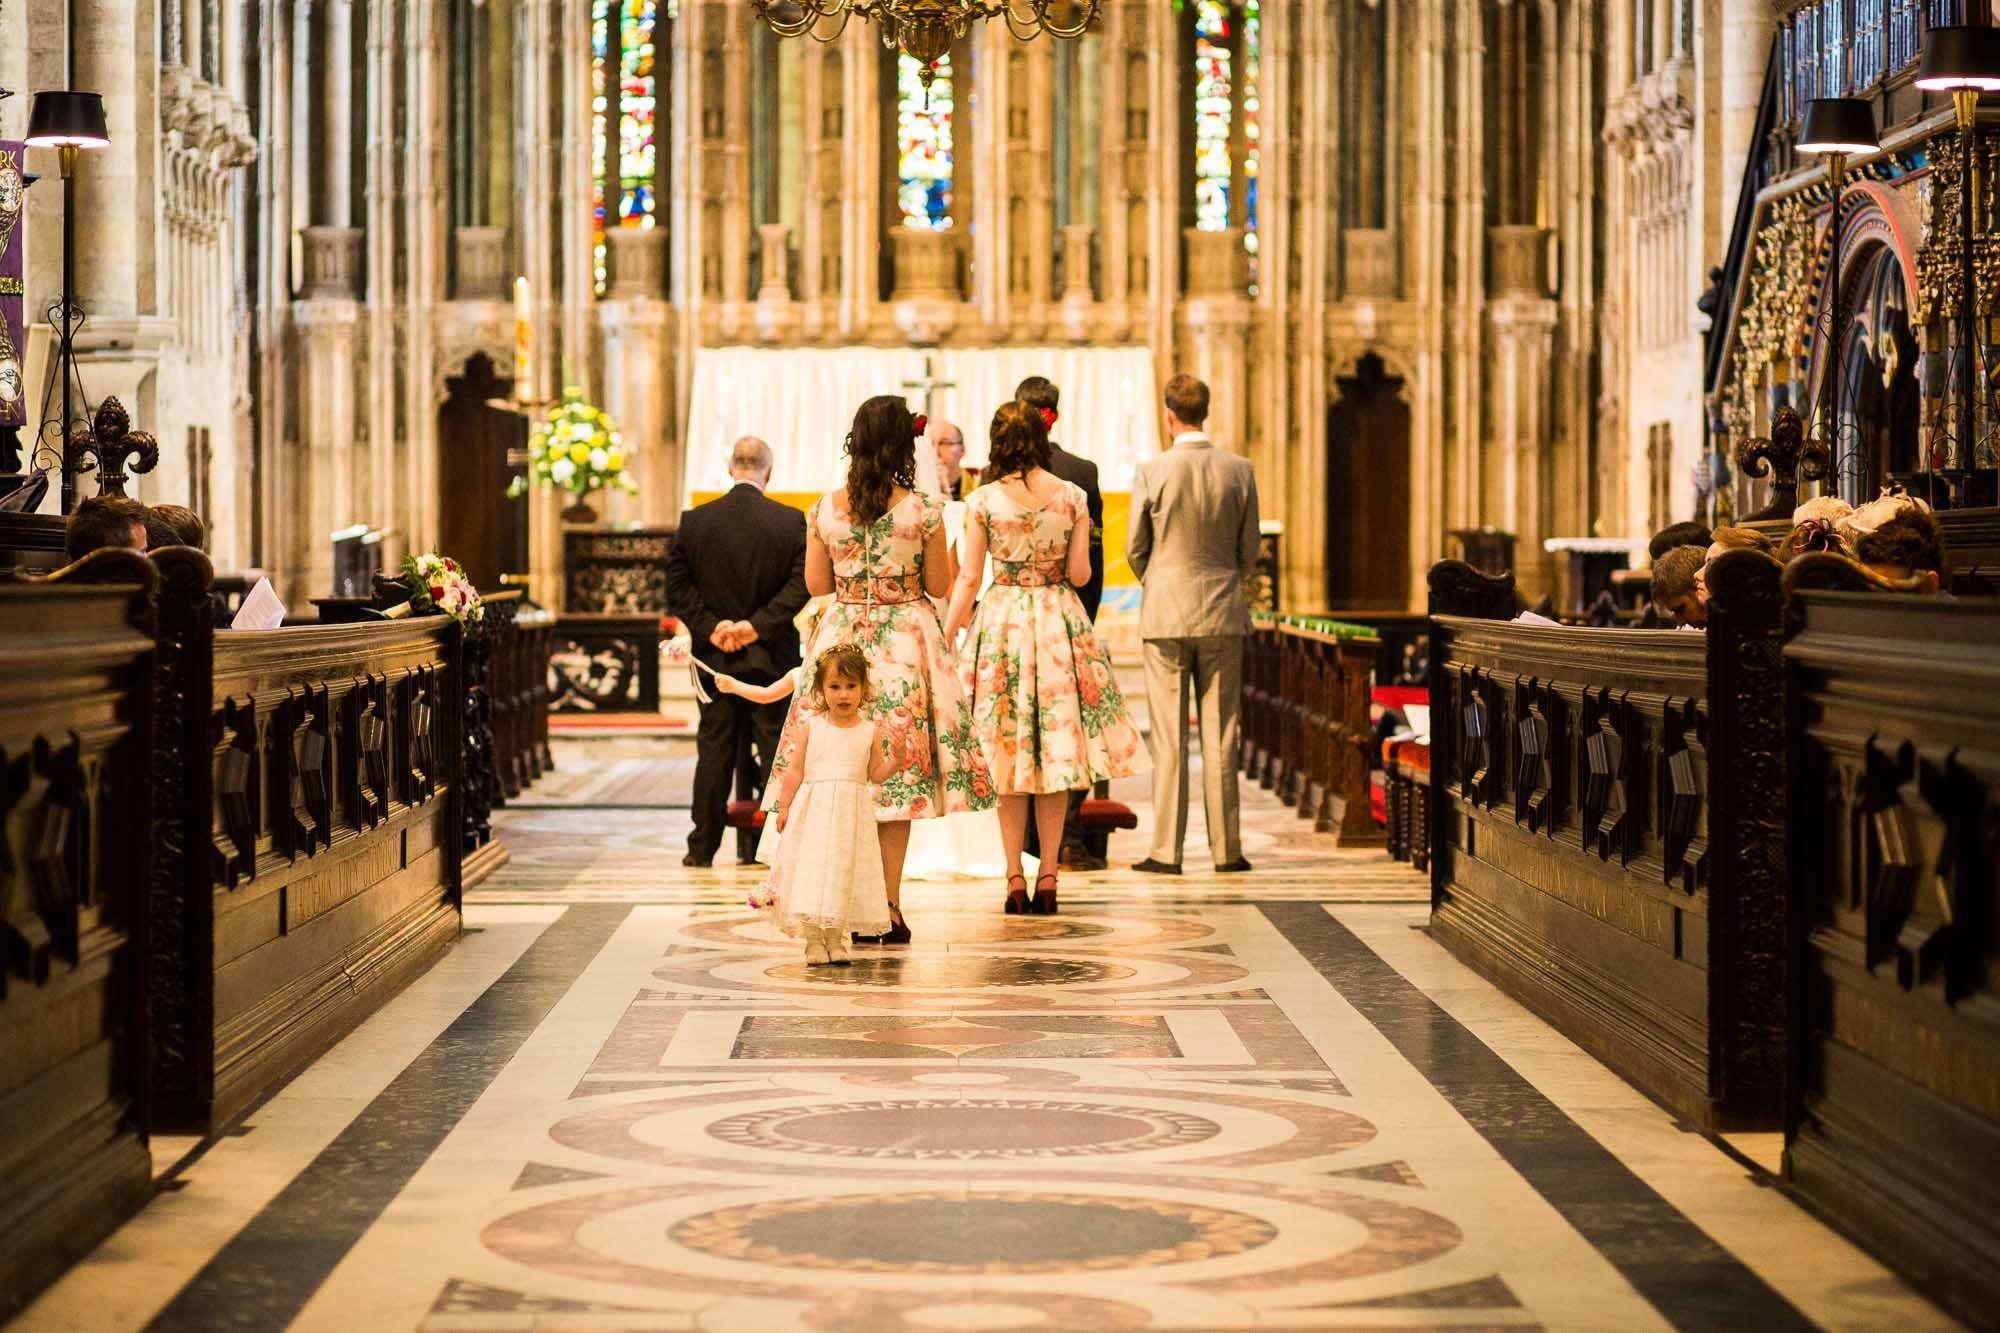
(1192, 541)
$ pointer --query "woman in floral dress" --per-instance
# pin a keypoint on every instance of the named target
(1044, 700)
(879, 548)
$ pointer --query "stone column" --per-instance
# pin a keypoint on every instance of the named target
(1217, 321)
(928, 289)
(823, 131)
(328, 458)
(479, 264)
(578, 240)
(1079, 297)
(638, 329)
(1115, 248)
(427, 221)
(777, 315)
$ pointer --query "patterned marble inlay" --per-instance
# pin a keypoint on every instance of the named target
(990, 1232)
(957, 971)
(1012, 1037)
(966, 1130)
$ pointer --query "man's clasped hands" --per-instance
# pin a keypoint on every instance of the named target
(733, 636)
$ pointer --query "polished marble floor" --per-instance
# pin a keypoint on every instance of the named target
(1261, 1101)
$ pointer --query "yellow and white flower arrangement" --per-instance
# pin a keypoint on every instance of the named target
(578, 449)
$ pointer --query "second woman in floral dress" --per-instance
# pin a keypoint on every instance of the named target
(1044, 701)
(879, 547)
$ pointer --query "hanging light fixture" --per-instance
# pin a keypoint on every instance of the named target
(925, 29)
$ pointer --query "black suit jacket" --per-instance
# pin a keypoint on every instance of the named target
(741, 556)
(1083, 472)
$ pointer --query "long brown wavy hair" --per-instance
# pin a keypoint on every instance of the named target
(1020, 441)
(881, 454)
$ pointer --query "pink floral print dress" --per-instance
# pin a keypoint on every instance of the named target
(879, 605)
(1044, 700)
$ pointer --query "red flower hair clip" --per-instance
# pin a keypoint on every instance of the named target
(1048, 418)
(921, 423)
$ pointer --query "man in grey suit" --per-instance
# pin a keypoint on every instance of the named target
(1193, 543)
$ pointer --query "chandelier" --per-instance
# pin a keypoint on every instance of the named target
(925, 29)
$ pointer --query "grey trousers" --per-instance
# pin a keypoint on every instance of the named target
(1210, 668)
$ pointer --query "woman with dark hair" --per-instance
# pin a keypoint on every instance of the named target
(879, 548)
(1044, 700)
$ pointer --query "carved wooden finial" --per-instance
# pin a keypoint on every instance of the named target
(109, 444)
(1788, 458)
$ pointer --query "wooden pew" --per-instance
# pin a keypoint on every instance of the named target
(309, 829)
(1893, 1130)
(1306, 720)
(1607, 807)
(75, 729)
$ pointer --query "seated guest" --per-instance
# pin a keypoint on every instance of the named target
(1676, 534)
(1737, 539)
(1898, 538)
(1814, 525)
(174, 525)
(103, 521)
(1677, 587)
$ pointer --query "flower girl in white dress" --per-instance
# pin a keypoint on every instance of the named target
(826, 875)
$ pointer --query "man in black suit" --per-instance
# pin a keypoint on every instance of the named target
(1043, 396)
(736, 578)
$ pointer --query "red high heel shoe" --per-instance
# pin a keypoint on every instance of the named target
(1045, 899)
(1017, 899)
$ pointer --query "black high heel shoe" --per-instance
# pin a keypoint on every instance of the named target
(1017, 899)
(899, 929)
(1045, 899)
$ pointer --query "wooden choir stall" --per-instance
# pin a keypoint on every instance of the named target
(1306, 734)
(1755, 871)
(222, 850)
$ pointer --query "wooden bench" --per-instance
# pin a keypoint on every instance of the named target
(1306, 729)
(1608, 808)
(76, 705)
(1894, 848)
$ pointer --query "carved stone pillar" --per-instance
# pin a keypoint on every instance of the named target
(1519, 450)
(1368, 263)
(1079, 297)
(332, 263)
(479, 264)
(1217, 324)
(637, 260)
(639, 394)
(928, 286)
(1517, 262)
(776, 315)
(329, 470)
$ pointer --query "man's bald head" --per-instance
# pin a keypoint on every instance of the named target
(750, 460)
(949, 441)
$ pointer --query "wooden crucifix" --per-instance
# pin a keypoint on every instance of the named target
(929, 385)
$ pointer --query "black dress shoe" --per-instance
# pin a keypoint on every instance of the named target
(1151, 867)
(1236, 867)
(697, 862)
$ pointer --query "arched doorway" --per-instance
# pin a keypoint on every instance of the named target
(1880, 411)
(1368, 490)
(480, 449)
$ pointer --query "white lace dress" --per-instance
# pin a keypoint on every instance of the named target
(827, 870)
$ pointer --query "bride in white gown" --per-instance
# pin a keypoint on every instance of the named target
(965, 845)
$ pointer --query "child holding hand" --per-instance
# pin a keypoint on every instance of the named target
(826, 875)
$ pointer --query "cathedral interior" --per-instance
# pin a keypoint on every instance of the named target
(1593, 975)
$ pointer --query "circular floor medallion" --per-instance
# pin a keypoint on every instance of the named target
(964, 1129)
(955, 972)
(982, 1232)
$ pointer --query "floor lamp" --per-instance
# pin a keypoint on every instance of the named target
(1964, 62)
(68, 122)
(1836, 128)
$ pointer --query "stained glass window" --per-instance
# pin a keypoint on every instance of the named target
(924, 151)
(1214, 108)
(1228, 117)
(624, 102)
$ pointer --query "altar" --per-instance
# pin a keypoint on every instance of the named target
(801, 402)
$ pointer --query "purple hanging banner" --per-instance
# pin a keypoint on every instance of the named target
(13, 328)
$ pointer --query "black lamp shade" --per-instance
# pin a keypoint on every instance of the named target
(1961, 58)
(63, 119)
(1839, 125)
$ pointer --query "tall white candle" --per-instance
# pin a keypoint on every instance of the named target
(524, 339)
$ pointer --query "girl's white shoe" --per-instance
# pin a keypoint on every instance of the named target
(837, 949)
(816, 951)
